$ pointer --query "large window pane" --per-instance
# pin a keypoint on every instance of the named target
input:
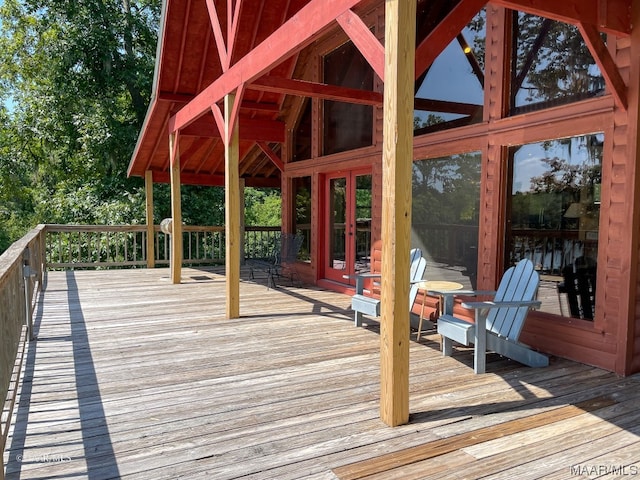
(554, 219)
(301, 148)
(451, 92)
(302, 216)
(446, 199)
(551, 65)
(347, 125)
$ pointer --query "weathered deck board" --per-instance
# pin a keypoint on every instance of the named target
(133, 377)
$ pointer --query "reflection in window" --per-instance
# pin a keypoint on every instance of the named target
(302, 135)
(451, 92)
(554, 219)
(445, 213)
(302, 216)
(363, 223)
(347, 125)
(551, 65)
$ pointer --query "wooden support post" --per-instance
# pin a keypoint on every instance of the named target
(232, 209)
(151, 234)
(176, 209)
(397, 155)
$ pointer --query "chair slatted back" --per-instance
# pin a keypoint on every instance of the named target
(519, 282)
(414, 256)
(418, 267)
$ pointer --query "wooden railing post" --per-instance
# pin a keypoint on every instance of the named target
(28, 276)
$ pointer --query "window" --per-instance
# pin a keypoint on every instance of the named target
(347, 125)
(451, 92)
(302, 215)
(302, 135)
(551, 65)
(445, 213)
(554, 219)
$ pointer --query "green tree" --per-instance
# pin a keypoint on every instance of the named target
(263, 207)
(75, 83)
(76, 77)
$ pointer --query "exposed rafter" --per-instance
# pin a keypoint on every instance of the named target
(611, 16)
(250, 129)
(215, 180)
(219, 118)
(272, 155)
(217, 33)
(303, 26)
(364, 40)
(318, 90)
(606, 64)
(444, 32)
(233, 15)
(183, 99)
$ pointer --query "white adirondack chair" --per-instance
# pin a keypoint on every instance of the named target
(498, 323)
(365, 305)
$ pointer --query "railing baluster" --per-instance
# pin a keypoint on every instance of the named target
(85, 246)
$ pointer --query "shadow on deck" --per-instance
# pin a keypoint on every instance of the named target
(133, 377)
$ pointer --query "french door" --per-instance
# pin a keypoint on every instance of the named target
(348, 227)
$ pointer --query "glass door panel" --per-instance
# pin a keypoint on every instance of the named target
(348, 232)
(362, 223)
(337, 228)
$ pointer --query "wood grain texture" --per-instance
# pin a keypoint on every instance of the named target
(134, 377)
(396, 209)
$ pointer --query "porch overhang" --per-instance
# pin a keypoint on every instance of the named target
(252, 74)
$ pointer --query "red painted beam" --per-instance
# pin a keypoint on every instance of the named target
(232, 31)
(185, 98)
(318, 90)
(428, 105)
(606, 64)
(444, 32)
(612, 16)
(250, 129)
(217, 34)
(272, 155)
(214, 180)
(364, 40)
(295, 34)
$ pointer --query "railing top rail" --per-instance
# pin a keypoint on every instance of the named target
(140, 227)
(12, 256)
(59, 228)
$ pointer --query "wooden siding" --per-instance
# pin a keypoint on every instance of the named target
(612, 341)
(626, 57)
(132, 377)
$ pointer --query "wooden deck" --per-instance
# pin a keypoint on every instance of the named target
(133, 377)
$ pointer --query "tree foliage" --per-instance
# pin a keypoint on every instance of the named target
(76, 77)
(75, 83)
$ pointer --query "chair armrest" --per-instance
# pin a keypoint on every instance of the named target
(527, 303)
(466, 293)
(363, 275)
(360, 278)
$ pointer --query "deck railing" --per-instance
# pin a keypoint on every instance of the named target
(103, 246)
(22, 273)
